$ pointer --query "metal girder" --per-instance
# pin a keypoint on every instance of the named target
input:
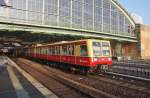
(60, 30)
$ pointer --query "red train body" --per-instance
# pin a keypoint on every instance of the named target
(87, 53)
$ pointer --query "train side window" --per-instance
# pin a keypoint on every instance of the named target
(42, 50)
(57, 50)
(49, 50)
(53, 50)
(34, 50)
(145, 73)
(37, 50)
(148, 74)
(71, 50)
(46, 51)
(64, 50)
(83, 50)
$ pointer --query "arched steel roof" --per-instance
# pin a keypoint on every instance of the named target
(123, 10)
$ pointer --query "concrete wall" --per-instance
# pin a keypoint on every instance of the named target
(141, 49)
(130, 50)
(125, 50)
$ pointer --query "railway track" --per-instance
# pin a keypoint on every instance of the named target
(77, 90)
(118, 89)
(130, 77)
(62, 91)
(139, 70)
(122, 89)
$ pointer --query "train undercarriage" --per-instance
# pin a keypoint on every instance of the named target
(84, 70)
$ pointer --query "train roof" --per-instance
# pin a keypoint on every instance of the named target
(64, 42)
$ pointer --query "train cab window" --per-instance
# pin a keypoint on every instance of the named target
(71, 50)
(106, 52)
(105, 44)
(83, 50)
(97, 49)
(106, 48)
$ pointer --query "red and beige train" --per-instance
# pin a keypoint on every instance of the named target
(81, 54)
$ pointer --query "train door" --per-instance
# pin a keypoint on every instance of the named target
(77, 54)
(71, 57)
(57, 51)
(64, 54)
(83, 59)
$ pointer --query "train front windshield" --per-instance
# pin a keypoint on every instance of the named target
(101, 49)
(97, 49)
(106, 48)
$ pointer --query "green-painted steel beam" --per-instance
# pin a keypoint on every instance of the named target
(63, 30)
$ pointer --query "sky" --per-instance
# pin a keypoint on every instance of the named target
(139, 7)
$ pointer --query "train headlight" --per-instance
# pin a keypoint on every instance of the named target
(95, 59)
(102, 59)
(109, 59)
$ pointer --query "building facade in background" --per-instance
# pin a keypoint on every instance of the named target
(143, 45)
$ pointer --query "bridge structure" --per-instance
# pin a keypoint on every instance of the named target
(102, 19)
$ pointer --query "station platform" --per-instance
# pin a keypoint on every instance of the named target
(15, 83)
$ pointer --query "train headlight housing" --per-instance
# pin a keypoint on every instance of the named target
(109, 59)
(95, 59)
(102, 59)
